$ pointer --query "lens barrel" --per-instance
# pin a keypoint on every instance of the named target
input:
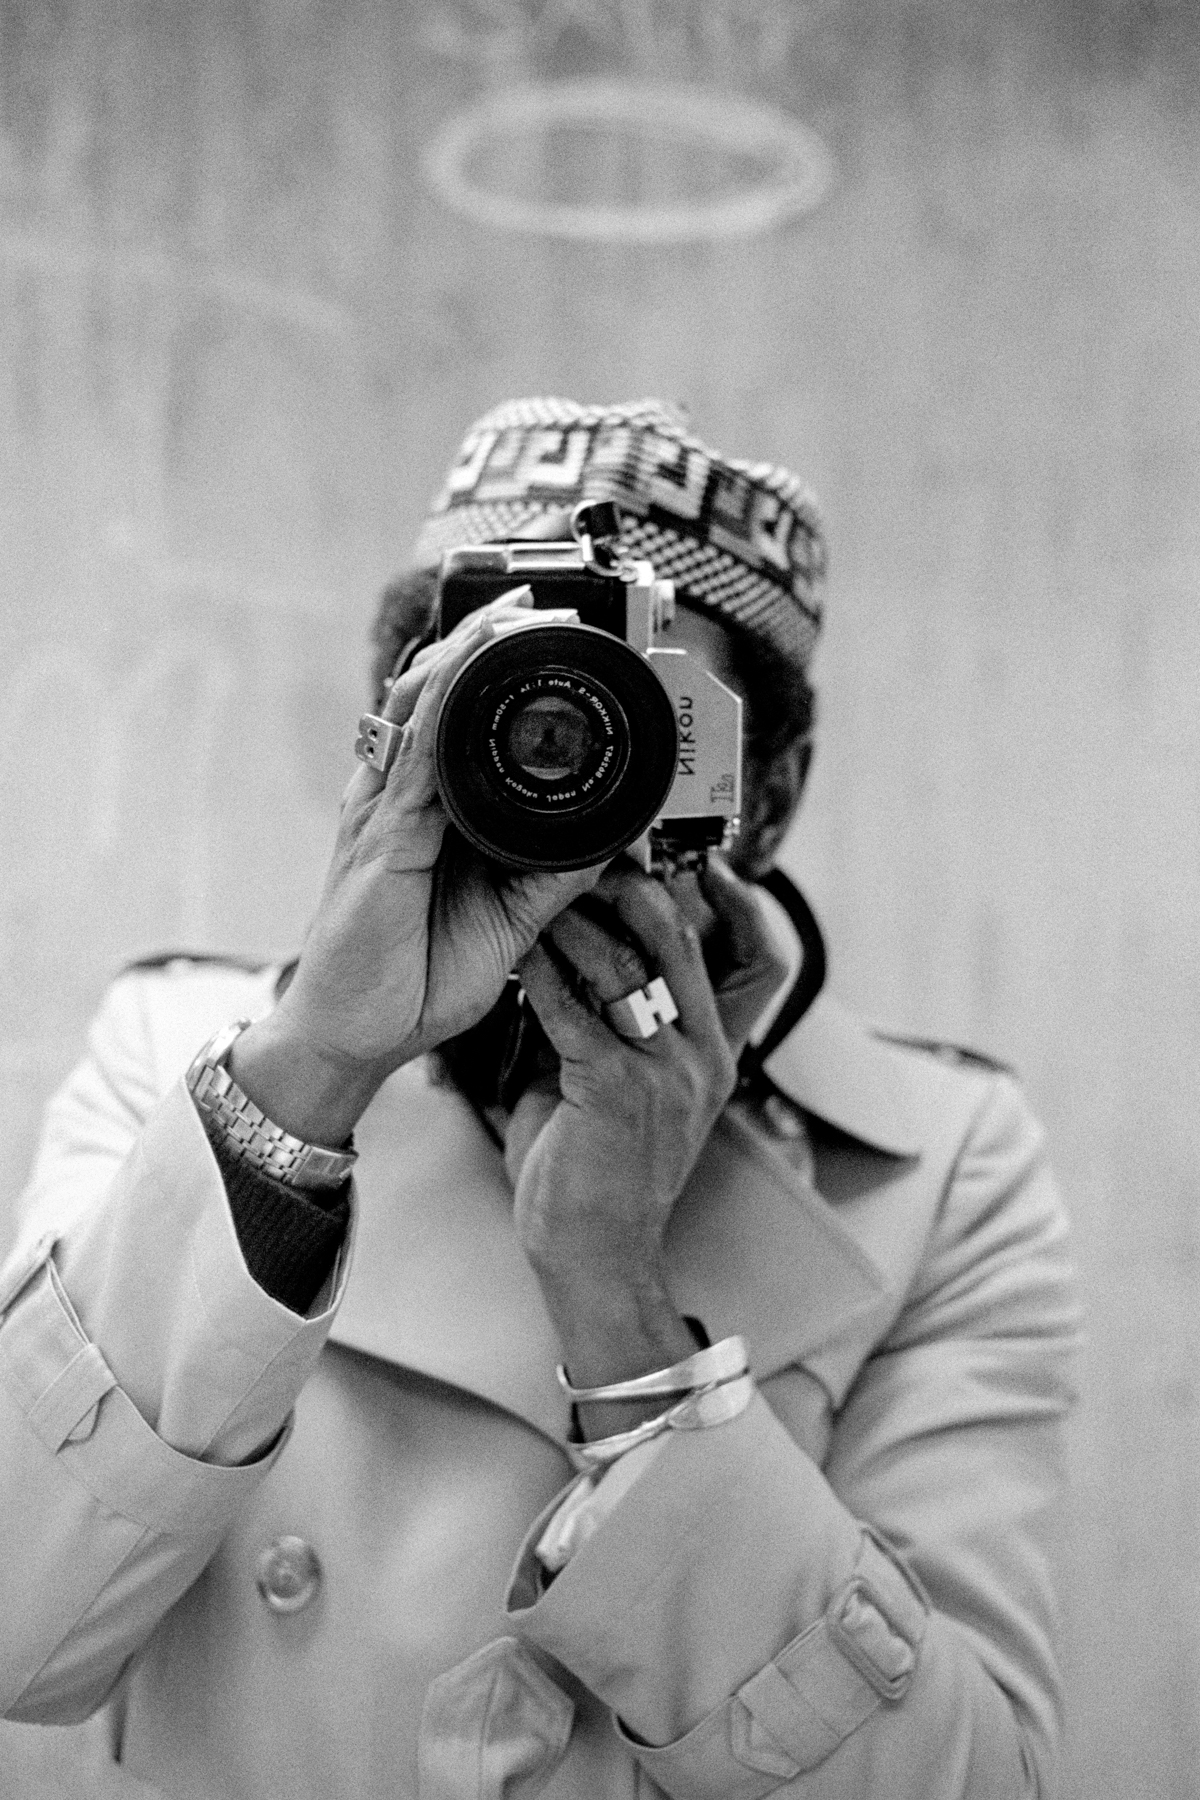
(556, 747)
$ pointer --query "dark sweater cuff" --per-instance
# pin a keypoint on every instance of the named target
(289, 1241)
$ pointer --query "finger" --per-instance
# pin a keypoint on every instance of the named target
(514, 605)
(532, 900)
(413, 702)
(403, 691)
(412, 773)
(572, 1027)
(407, 689)
(747, 964)
(671, 944)
(398, 703)
(611, 966)
(737, 906)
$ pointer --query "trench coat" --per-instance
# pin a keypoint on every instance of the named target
(843, 1592)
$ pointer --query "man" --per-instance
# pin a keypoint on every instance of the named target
(299, 1507)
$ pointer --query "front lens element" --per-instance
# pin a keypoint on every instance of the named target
(549, 739)
(553, 737)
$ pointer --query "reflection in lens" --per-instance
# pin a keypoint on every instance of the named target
(549, 738)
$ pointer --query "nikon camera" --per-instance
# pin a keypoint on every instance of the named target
(582, 731)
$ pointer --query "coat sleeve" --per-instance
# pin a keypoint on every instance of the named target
(884, 1625)
(146, 1380)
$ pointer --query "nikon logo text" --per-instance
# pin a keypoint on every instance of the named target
(687, 736)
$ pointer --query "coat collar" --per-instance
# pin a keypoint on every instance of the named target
(837, 1069)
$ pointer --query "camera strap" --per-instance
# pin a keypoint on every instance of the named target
(810, 978)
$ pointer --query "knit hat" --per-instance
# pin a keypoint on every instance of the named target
(742, 540)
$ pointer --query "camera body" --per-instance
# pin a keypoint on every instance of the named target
(581, 730)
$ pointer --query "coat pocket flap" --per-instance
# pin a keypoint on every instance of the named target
(492, 1725)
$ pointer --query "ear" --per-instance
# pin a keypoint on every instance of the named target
(772, 792)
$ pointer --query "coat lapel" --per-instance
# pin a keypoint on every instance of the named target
(754, 1248)
(439, 1283)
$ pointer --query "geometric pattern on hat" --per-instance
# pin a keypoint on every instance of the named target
(743, 539)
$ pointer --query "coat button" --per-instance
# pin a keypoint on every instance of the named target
(288, 1574)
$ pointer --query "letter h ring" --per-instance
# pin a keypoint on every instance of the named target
(638, 1015)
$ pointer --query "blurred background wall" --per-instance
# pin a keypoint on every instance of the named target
(241, 331)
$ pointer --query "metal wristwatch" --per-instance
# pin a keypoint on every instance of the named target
(246, 1130)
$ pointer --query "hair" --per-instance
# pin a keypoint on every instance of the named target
(782, 701)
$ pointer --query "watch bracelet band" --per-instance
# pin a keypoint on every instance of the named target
(246, 1130)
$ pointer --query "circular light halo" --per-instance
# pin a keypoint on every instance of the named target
(799, 178)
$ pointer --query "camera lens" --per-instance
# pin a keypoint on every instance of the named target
(556, 747)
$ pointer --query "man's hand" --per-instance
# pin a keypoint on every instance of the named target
(599, 1165)
(414, 935)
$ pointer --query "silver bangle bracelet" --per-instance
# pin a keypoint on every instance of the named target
(699, 1411)
(720, 1362)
